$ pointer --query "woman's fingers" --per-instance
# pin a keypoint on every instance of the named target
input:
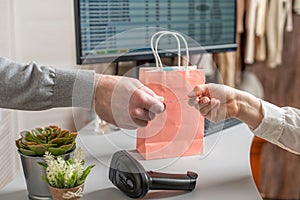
(209, 108)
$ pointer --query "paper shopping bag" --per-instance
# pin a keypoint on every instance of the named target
(179, 130)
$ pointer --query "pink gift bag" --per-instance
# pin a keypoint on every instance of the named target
(179, 130)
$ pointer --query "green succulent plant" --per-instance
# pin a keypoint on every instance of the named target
(52, 139)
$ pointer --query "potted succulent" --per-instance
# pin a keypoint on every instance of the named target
(66, 178)
(32, 145)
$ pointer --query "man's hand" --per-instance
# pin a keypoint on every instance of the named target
(125, 102)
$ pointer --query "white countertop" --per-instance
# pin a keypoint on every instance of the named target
(224, 174)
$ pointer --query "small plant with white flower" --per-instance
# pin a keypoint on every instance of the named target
(68, 173)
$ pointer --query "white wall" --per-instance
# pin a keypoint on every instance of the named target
(5, 31)
(42, 31)
(9, 161)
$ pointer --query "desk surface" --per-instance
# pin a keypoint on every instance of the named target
(224, 173)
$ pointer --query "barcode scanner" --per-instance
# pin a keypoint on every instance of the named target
(130, 177)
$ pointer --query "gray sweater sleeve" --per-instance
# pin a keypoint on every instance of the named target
(34, 87)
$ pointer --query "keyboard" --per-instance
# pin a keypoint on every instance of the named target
(211, 127)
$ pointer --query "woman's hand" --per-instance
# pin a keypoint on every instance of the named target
(218, 102)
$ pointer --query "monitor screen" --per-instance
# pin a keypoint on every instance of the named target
(120, 30)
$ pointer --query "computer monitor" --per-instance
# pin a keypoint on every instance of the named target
(120, 30)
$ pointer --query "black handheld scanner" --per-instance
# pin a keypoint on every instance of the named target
(131, 178)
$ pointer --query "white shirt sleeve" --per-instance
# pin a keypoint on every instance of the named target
(280, 126)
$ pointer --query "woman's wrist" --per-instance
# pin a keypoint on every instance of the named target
(250, 110)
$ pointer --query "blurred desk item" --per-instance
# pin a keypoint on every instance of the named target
(225, 173)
